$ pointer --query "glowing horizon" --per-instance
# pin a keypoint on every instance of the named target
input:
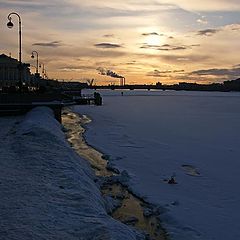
(166, 41)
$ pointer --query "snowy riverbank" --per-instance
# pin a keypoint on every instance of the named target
(193, 135)
(47, 191)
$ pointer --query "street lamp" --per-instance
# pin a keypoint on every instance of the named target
(10, 25)
(37, 60)
(45, 74)
(41, 65)
(44, 71)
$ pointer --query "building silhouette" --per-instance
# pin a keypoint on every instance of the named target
(9, 72)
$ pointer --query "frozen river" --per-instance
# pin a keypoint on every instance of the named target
(193, 136)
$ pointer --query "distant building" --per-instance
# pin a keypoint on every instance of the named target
(73, 85)
(233, 85)
(9, 71)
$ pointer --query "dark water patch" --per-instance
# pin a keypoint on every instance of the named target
(127, 208)
(74, 132)
(135, 212)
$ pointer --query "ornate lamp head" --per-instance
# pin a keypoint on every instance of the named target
(10, 24)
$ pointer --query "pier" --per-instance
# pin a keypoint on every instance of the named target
(83, 99)
(21, 103)
(16, 104)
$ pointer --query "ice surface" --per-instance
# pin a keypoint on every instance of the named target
(194, 136)
(46, 190)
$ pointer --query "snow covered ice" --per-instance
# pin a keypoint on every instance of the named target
(193, 136)
(47, 191)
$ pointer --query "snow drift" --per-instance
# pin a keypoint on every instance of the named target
(47, 191)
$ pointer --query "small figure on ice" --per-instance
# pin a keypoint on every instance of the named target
(172, 180)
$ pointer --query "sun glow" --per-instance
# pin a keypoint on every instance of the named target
(153, 40)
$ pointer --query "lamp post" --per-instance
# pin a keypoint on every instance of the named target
(10, 25)
(41, 65)
(45, 73)
(37, 60)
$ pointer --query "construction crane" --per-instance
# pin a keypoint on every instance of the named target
(90, 82)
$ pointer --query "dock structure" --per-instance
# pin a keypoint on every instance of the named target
(21, 103)
(16, 104)
(84, 99)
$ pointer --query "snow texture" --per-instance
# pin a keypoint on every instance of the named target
(47, 191)
(193, 136)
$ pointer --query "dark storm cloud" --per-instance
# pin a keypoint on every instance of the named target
(208, 32)
(231, 72)
(218, 73)
(150, 34)
(75, 68)
(167, 47)
(199, 75)
(191, 78)
(150, 46)
(158, 73)
(107, 45)
(195, 45)
(109, 35)
(53, 44)
(131, 63)
(178, 71)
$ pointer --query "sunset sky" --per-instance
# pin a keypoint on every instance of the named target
(145, 41)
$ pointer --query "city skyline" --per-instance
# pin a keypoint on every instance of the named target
(144, 41)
